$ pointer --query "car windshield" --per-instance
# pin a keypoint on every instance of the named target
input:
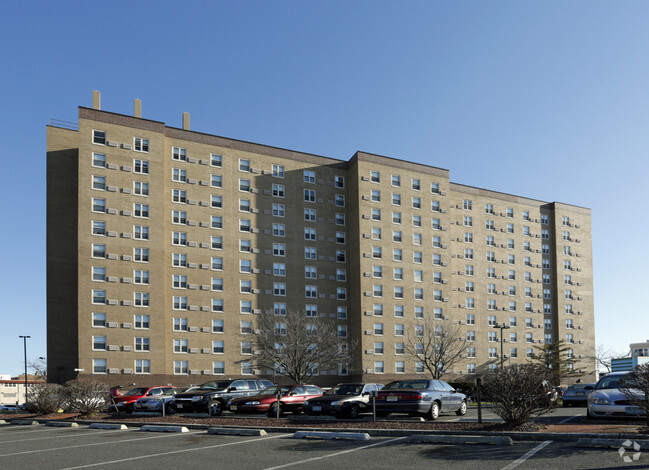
(579, 386)
(273, 390)
(136, 391)
(171, 391)
(616, 381)
(414, 384)
(216, 385)
(346, 389)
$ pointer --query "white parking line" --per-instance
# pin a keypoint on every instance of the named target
(68, 434)
(334, 454)
(102, 443)
(529, 454)
(139, 457)
(568, 419)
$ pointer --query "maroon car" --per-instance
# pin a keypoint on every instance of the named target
(127, 401)
(292, 398)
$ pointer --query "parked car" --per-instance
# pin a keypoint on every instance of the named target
(343, 400)
(10, 408)
(157, 402)
(420, 397)
(577, 394)
(212, 397)
(126, 402)
(292, 399)
(606, 400)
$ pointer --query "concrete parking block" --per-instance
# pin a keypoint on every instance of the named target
(455, 439)
(237, 432)
(614, 443)
(2, 421)
(24, 422)
(62, 424)
(354, 436)
(107, 426)
(153, 428)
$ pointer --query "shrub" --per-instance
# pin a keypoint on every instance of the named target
(516, 392)
(46, 398)
(85, 396)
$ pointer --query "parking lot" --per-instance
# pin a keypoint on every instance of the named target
(48, 447)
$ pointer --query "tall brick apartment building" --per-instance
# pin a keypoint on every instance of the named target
(164, 244)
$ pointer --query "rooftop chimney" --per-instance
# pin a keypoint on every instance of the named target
(186, 121)
(137, 112)
(96, 100)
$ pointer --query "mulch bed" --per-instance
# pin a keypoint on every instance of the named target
(290, 421)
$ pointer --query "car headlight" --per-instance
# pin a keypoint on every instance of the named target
(197, 398)
(569, 394)
(336, 403)
(599, 401)
(252, 403)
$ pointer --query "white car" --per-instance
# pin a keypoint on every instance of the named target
(607, 400)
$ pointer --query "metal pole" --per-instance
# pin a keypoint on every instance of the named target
(25, 350)
(502, 357)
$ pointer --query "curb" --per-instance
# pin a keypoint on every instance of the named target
(23, 422)
(514, 435)
(237, 432)
(353, 436)
(155, 428)
(62, 424)
(107, 426)
(615, 443)
(450, 439)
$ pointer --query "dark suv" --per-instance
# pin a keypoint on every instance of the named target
(211, 397)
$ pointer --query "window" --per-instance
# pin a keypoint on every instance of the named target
(377, 310)
(545, 234)
(376, 195)
(491, 304)
(181, 367)
(398, 292)
(375, 176)
(489, 225)
(378, 329)
(396, 180)
(310, 272)
(309, 214)
(489, 208)
(179, 154)
(469, 302)
(396, 217)
(310, 252)
(416, 221)
(245, 265)
(309, 176)
(341, 312)
(339, 200)
(339, 181)
(398, 311)
(99, 343)
(396, 236)
(397, 255)
(309, 195)
(217, 305)
(98, 227)
(99, 366)
(140, 232)
(435, 207)
(419, 293)
(399, 329)
(341, 275)
(180, 303)
(491, 320)
(142, 344)
(278, 230)
(417, 239)
(279, 308)
(141, 299)
(418, 275)
(340, 219)
(99, 160)
(512, 321)
(218, 347)
(279, 249)
(467, 221)
(437, 241)
(141, 166)
(311, 310)
(467, 205)
(378, 347)
(493, 352)
(470, 335)
(342, 331)
(141, 322)
(217, 284)
(340, 256)
(141, 255)
(245, 286)
(181, 346)
(417, 257)
(98, 204)
(396, 199)
(278, 171)
(99, 182)
(98, 320)
(99, 137)
(437, 259)
(468, 270)
(278, 210)
(376, 214)
(416, 203)
(468, 253)
(309, 233)
(377, 290)
(279, 288)
(310, 292)
(415, 184)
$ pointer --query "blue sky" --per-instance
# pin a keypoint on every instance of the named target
(545, 99)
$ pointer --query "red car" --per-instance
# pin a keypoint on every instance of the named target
(127, 401)
(292, 399)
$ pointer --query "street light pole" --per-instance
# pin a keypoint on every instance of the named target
(501, 326)
(25, 350)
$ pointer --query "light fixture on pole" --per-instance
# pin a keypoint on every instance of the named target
(501, 326)
(25, 349)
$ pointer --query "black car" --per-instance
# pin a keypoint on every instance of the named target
(420, 397)
(343, 400)
(212, 397)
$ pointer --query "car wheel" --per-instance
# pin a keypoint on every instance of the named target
(272, 411)
(433, 413)
(171, 409)
(216, 408)
(130, 408)
(354, 411)
(462, 409)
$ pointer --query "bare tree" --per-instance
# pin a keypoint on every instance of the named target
(298, 346)
(603, 357)
(516, 392)
(635, 387)
(46, 398)
(437, 344)
(86, 396)
(39, 367)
